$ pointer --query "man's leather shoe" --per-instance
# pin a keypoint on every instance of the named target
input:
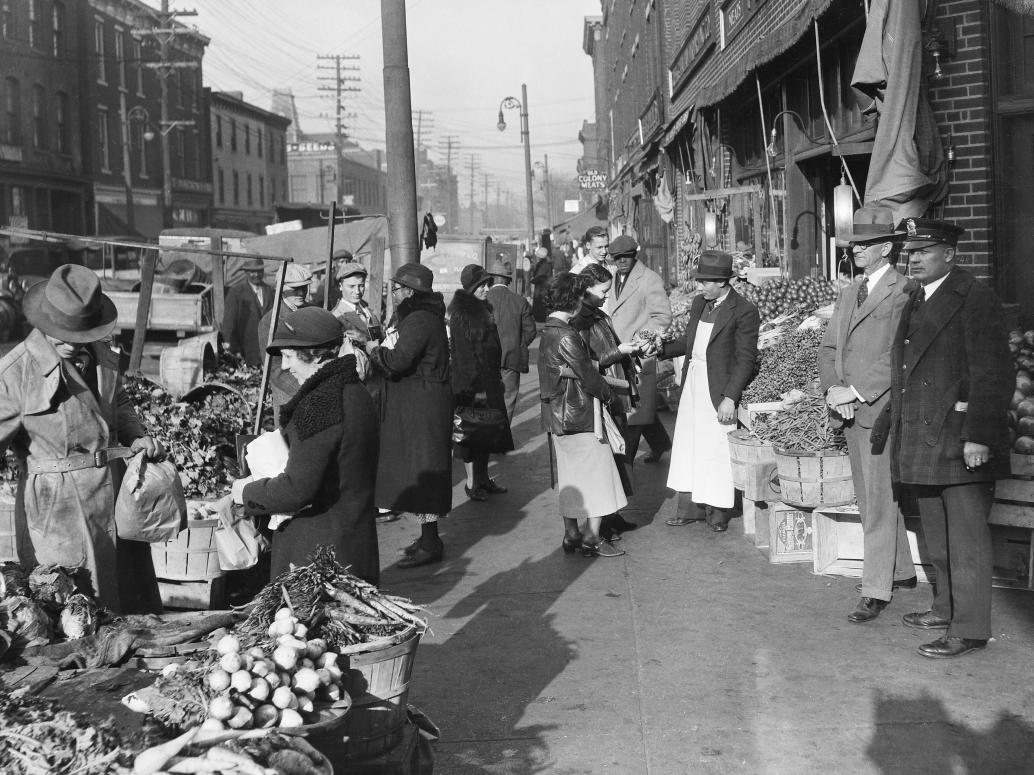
(868, 608)
(680, 521)
(927, 620)
(911, 583)
(422, 556)
(477, 494)
(718, 519)
(489, 486)
(947, 648)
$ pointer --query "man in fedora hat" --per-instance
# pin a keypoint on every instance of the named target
(246, 303)
(952, 381)
(295, 295)
(639, 302)
(516, 326)
(721, 347)
(854, 368)
(61, 398)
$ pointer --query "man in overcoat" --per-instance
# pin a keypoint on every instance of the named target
(246, 303)
(516, 327)
(640, 302)
(854, 367)
(950, 392)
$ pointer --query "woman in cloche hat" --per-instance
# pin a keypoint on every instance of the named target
(62, 405)
(331, 429)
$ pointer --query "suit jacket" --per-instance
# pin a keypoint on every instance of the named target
(855, 350)
(956, 350)
(732, 349)
(643, 303)
(515, 324)
(241, 317)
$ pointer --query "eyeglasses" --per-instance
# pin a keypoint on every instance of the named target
(396, 288)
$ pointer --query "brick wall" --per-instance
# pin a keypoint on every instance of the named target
(963, 107)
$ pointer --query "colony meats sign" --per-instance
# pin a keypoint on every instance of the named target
(592, 180)
(698, 43)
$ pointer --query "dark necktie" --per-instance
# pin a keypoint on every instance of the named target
(920, 296)
(863, 290)
(620, 284)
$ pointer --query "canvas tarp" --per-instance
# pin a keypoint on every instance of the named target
(309, 246)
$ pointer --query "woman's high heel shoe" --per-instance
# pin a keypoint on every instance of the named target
(571, 544)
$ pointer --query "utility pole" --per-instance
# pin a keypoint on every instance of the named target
(424, 125)
(484, 221)
(549, 195)
(398, 122)
(338, 89)
(451, 141)
(474, 159)
(165, 33)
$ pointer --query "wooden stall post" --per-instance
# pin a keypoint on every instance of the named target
(148, 259)
(328, 278)
(218, 282)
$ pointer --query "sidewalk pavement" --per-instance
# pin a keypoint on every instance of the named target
(690, 654)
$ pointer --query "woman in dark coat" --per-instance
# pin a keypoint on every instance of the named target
(414, 473)
(477, 359)
(614, 358)
(331, 428)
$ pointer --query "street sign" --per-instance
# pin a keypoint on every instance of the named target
(571, 205)
(592, 180)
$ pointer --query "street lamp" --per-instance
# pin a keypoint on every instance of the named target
(522, 105)
(137, 113)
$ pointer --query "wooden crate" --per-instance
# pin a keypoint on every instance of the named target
(790, 534)
(204, 595)
(1012, 529)
(839, 543)
(1022, 465)
(747, 413)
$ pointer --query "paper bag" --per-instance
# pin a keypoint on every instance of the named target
(237, 539)
(150, 506)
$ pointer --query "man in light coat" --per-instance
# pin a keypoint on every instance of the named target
(639, 302)
(952, 381)
(854, 367)
(517, 330)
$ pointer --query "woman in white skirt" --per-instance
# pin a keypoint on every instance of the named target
(587, 480)
(721, 347)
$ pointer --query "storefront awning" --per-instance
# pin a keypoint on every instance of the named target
(1022, 7)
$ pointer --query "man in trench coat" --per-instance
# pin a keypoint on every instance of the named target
(950, 391)
(61, 399)
(854, 368)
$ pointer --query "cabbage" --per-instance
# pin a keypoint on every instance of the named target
(13, 580)
(26, 620)
(52, 585)
(78, 617)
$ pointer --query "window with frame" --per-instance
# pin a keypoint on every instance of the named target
(35, 38)
(120, 57)
(104, 139)
(250, 198)
(140, 142)
(218, 131)
(64, 131)
(57, 26)
(258, 140)
(98, 49)
(221, 185)
(12, 112)
(236, 188)
(233, 135)
(138, 66)
(179, 87)
(181, 152)
(39, 117)
(6, 19)
(262, 190)
(247, 140)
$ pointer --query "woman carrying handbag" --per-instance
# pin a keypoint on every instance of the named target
(477, 383)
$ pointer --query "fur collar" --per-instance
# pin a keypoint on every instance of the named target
(422, 302)
(317, 405)
(473, 316)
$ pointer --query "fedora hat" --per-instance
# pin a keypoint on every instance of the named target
(254, 265)
(871, 223)
(304, 328)
(70, 306)
(714, 265)
(501, 268)
(415, 276)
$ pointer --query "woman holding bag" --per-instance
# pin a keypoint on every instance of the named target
(587, 483)
(331, 430)
(476, 359)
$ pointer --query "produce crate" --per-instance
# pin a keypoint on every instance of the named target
(1012, 527)
(790, 534)
(209, 594)
(403, 759)
(1022, 465)
(190, 556)
(747, 413)
(839, 543)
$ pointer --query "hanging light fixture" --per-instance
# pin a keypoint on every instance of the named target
(843, 209)
(710, 229)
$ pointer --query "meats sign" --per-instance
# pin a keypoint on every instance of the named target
(592, 180)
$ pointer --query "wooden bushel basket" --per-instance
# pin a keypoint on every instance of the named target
(753, 465)
(190, 556)
(810, 479)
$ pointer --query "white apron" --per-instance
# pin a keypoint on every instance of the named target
(700, 461)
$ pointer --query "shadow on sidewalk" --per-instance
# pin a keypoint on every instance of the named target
(937, 743)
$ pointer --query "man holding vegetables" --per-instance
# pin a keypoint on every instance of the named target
(855, 371)
(951, 385)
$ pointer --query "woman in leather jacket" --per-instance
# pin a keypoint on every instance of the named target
(588, 484)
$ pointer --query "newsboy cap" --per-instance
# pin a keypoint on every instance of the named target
(351, 268)
(623, 246)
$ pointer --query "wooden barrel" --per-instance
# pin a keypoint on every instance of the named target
(190, 556)
(183, 367)
(378, 682)
(753, 465)
(810, 479)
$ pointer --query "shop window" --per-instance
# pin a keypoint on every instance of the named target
(104, 139)
(12, 112)
(19, 201)
(98, 49)
(57, 17)
(64, 131)
(39, 117)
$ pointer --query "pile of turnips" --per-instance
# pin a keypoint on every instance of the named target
(278, 684)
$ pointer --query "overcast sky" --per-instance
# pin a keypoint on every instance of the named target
(464, 57)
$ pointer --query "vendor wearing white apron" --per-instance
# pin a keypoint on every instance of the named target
(722, 344)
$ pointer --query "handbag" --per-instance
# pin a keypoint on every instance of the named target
(606, 429)
(237, 539)
(480, 426)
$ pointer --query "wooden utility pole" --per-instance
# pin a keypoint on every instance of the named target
(398, 120)
(338, 89)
